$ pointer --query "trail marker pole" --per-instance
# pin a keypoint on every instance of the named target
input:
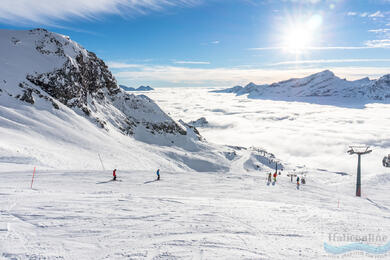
(359, 150)
(32, 180)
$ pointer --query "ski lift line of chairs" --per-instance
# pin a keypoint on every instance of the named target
(386, 161)
(293, 175)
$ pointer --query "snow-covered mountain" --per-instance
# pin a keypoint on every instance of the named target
(201, 122)
(60, 106)
(40, 66)
(144, 88)
(140, 88)
(322, 84)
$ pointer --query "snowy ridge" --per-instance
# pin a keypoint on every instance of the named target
(322, 84)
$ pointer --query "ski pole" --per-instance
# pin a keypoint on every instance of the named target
(32, 180)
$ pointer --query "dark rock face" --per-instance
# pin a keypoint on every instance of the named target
(72, 84)
(27, 96)
(201, 122)
(85, 84)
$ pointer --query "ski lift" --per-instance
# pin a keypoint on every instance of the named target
(303, 178)
(386, 161)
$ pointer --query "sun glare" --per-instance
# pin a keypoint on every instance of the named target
(298, 37)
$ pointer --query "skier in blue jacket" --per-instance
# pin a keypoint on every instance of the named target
(158, 174)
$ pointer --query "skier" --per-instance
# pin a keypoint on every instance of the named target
(275, 174)
(158, 174)
(114, 175)
(297, 182)
(269, 177)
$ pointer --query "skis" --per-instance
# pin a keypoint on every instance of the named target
(146, 182)
(102, 182)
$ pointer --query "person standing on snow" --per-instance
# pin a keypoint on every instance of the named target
(158, 174)
(114, 175)
(269, 177)
(297, 182)
(275, 175)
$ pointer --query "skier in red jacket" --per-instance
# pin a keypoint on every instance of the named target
(114, 175)
(275, 175)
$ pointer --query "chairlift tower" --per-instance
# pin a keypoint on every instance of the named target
(359, 150)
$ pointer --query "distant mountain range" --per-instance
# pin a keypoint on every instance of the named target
(141, 88)
(322, 84)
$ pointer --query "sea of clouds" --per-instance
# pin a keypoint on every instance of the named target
(314, 135)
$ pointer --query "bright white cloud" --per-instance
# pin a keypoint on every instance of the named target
(192, 62)
(304, 1)
(377, 14)
(121, 65)
(168, 75)
(49, 11)
(302, 133)
(384, 43)
(382, 30)
(318, 48)
(294, 62)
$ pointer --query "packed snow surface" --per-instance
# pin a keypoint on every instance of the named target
(185, 215)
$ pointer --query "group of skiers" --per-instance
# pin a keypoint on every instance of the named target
(114, 175)
(275, 175)
(299, 180)
(270, 177)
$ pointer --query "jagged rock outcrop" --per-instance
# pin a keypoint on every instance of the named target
(61, 72)
(200, 122)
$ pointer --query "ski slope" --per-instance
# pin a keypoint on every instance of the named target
(186, 215)
(213, 201)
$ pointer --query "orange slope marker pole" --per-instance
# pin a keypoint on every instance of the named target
(32, 180)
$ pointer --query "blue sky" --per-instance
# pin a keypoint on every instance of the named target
(166, 43)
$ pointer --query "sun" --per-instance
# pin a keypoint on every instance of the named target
(298, 37)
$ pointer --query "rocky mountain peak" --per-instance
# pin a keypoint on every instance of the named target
(41, 65)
